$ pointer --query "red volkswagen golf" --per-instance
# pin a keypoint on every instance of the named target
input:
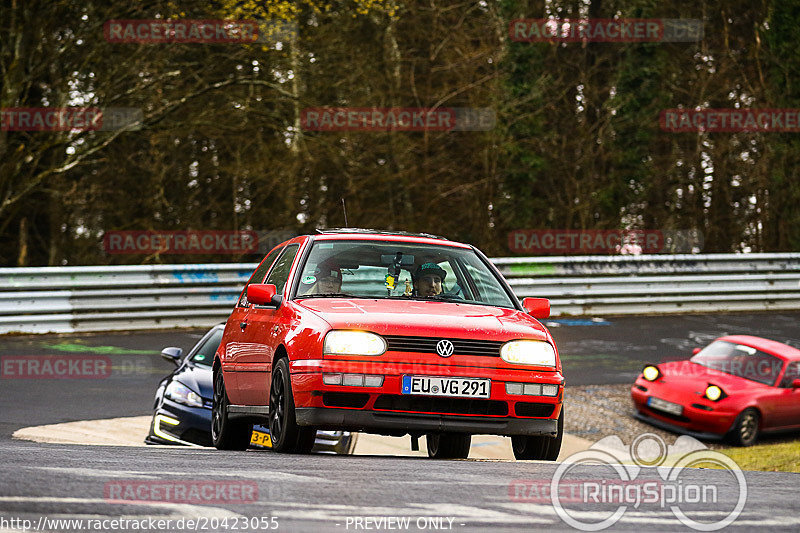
(386, 333)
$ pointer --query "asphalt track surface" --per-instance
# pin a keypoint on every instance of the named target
(338, 493)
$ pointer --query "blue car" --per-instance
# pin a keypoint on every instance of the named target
(182, 407)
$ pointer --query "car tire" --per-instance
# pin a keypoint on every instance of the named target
(745, 428)
(287, 436)
(539, 447)
(346, 444)
(227, 434)
(448, 445)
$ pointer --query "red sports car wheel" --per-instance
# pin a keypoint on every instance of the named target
(745, 429)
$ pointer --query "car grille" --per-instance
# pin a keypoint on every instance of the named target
(400, 343)
(345, 399)
(541, 410)
(427, 404)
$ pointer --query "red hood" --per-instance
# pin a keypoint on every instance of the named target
(692, 378)
(427, 318)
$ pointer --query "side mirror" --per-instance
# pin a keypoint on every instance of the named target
(796, 383)
(537, 307)
(263, 294)
(696, 351)
(172, 354)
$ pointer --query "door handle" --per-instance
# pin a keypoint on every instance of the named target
(242, 325)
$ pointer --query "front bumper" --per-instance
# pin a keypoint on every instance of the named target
(645, 417)
(696, 422)
(193, 427)
(386, 410)
(393, 423)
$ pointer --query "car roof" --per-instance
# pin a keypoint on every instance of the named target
(342, 234)
(784, 351)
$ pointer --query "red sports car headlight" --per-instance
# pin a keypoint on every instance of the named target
(651, 373)
(714, 393)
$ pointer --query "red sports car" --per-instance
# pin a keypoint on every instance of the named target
(387, 333)
(736, 387)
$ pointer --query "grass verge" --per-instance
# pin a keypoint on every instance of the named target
(777, 457)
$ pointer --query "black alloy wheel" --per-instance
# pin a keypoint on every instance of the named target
(286, 435)
(227, 434)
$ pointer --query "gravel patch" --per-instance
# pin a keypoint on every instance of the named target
(598, 411)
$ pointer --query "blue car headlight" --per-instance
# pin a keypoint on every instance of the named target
(178, 392)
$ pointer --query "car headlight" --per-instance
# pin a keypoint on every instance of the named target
(180, 393)
(714, 393)
(651, 373)
(344, 342)
(528, 352)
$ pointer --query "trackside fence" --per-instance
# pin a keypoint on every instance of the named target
(107, 298)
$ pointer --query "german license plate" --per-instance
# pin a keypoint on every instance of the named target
(663, 405)
(259, 438)
(441, 386)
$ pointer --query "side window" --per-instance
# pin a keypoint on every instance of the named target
(792, 373)
(260, 272)
(280, 273)
(205, 355)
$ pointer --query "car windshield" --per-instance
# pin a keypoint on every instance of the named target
(381, 269)
(740, 360)
(205, 355)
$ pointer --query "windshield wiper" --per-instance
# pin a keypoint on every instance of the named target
(436, 298)
(329, 295)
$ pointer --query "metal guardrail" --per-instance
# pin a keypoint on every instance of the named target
(645, 284)
(103, 298)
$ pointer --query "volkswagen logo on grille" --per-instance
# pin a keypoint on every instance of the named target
(444, 348)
